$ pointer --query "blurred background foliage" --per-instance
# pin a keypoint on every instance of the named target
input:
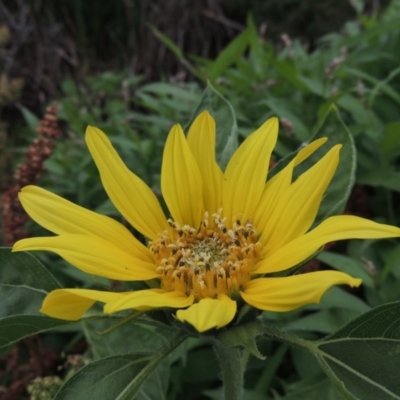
(134, 68)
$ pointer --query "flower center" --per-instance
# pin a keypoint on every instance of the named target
(207, 261)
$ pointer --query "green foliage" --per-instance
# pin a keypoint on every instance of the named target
(347, 89)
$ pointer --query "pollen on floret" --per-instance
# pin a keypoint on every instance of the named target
(208, 261)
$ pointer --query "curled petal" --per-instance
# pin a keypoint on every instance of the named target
(209, 313)
(71, 304)
(144, 300)
(289, 293)
(94, 256)
(332, 229)
(132, 197)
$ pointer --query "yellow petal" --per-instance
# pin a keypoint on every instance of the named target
(299, 204)
(93, 256)
(181, 181)
(332, 229)
(132, 197)
(309, 149)
(289, 293)
(278, 184)
(246, 172)
(144, 300)
(201, 140)
(60, 216)
(71, 304)
(209, 313)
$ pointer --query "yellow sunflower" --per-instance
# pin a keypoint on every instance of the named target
(226, 232)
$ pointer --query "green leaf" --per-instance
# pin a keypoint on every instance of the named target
(316, 391)
(385, 177)
(391, 141)
(174, 48)
(117, 377)
(15, 328)
(229, 55)
(224, 115)
(24, 270)
(348, 265)
(243, 336)
(324, 321)
(364, 356)
(167, 41)
(122, 340)
(24, 284)
(30, 118)
(146, 335)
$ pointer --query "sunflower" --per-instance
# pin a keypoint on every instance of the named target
(227, 231)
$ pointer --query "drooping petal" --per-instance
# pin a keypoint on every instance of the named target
(334, 228)
(148, 299)
(94, 256)
(291, 292)
(209, 313)
(181, 181)
(201, 140)
(278, 184)
(60, 216)
(132, 197)
(246, 172)
(71, 304)
(299, 204)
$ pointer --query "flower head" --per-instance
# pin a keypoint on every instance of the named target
(226, 232)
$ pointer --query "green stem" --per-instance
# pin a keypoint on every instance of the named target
(287, 338)
(230, 361)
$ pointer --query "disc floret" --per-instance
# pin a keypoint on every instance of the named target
(211, 260)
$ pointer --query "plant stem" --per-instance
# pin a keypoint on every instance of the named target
(230, 361)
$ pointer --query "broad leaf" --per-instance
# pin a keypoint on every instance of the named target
(15, 328)
(362, 358)
(24, 284)
(117, 377)
(125, 339)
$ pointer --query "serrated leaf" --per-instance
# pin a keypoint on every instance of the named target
(25, 270)
(224, 115)
(117, 377)
(15, 328)
(106, 343)
(24, 284)
(364, 356)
